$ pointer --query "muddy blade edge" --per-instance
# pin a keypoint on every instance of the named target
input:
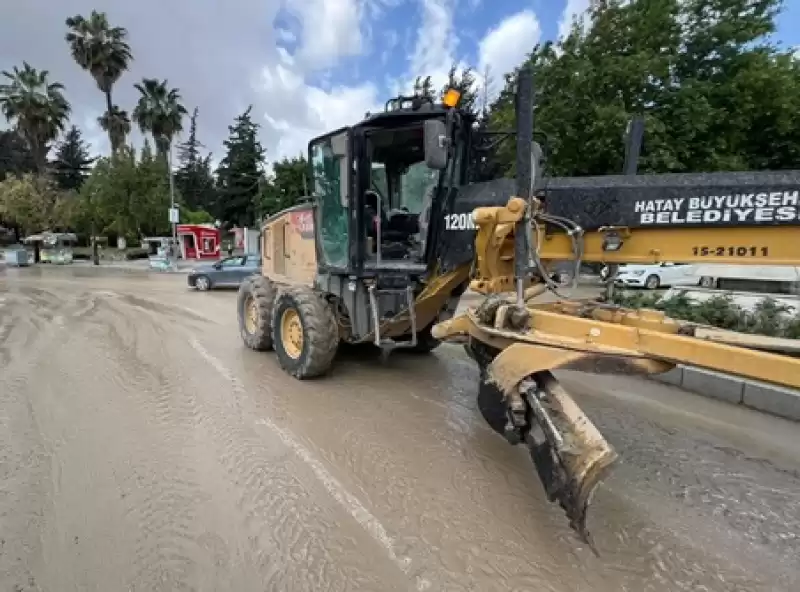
(571, 456)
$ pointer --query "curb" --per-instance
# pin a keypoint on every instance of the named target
(133, 267)
(754, 394)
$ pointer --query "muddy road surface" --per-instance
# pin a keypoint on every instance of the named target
(142, 448)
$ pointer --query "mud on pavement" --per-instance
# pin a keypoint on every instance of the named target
(143, 448)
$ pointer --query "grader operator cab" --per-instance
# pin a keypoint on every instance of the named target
(395, 235)
(379, 246)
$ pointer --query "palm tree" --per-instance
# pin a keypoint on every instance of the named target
(101, 50)
(36, 106)
(117, 124)
(159, 112)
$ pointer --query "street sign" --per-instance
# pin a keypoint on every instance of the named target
(174, 216)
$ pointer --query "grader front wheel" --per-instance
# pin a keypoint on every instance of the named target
(304, 332)
(254, 309)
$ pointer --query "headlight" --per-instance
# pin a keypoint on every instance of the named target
(638, 272)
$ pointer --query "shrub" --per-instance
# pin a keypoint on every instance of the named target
(769, 317)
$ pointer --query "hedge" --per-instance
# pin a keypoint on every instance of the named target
(769, 317)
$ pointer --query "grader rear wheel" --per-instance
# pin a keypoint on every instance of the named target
(254, 309)
(304, 332)
(292, 333)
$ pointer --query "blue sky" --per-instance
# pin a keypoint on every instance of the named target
(393, 35)
(305, 66)
(392, 41)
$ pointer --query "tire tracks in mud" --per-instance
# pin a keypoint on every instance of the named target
(161, 488)
(49, 329)
(666, 560)
(28, 337)
(279, 522)
(215, 494)
(444, 492)
(406, 465)
(349, 503)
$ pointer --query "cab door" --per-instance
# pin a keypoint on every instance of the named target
(331, 170)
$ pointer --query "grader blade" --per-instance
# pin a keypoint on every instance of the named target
(570, 454)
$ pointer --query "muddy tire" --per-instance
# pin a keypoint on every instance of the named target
(254, 305)
(304, 332)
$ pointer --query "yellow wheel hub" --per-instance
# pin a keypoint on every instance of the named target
(292, 333)
(251, 315)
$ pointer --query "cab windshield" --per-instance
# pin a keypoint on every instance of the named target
(398, 170)
(409, 185)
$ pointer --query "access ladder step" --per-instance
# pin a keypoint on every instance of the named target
(374, 305)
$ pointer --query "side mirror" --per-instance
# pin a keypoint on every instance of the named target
(435, 132)
(218, 265)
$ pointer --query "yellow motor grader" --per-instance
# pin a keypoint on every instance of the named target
(395, 234)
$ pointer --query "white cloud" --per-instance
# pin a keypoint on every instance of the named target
(285, 35)
(227, 56)
(93, 133)
(331, 30)
(506, 46)
(573, 9)
(436, 44)
(295, 111)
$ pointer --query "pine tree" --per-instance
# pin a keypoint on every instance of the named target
(463, 82)
(239, 175)
(193, 179)
(424, 88)
(72, 162)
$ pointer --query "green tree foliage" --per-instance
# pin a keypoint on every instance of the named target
(37, 108)
(15, 156)
(239, 175)
(126, 196)
(714, 93)
(103, 51)
(32, 203)
(194, 216)
(464, 82)
(159, 112)
(72, 161)
(423, 87)
(289, 183)
(117, 124)
(194, 179)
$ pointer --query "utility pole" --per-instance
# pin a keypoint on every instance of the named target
(173, 218)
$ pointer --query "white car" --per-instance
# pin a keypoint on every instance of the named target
(660, 275)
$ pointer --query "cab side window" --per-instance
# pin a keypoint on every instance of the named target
(329, 164)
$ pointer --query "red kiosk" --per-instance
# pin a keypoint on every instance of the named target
(199, 241)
